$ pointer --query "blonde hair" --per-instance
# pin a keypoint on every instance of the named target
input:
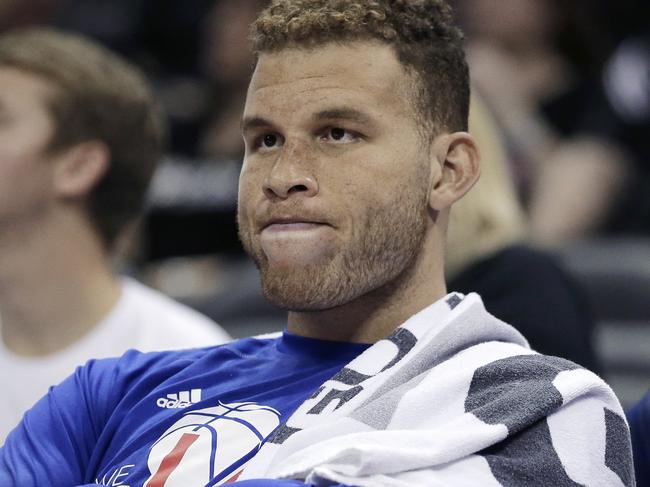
(489, 217)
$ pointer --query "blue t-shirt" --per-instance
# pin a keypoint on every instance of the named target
(639, 419)
(168, 419)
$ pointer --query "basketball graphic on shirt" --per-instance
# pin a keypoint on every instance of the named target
(210, 445)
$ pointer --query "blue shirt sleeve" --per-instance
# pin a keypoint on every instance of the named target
(54, 441)
(639, 419)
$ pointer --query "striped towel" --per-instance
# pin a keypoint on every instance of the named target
(454, 397)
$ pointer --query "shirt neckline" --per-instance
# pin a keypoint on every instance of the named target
(292, 344)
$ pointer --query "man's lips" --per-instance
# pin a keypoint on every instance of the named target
(296, 241)
(289, 224)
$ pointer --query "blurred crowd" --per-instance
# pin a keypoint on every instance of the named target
(568, 85)
(566, 81)
(562, 106)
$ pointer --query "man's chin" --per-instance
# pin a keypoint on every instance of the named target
(301, 290)
(297, 300)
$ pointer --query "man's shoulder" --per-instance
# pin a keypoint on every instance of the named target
(500, 364)
(135, 362)
(516, 361)
(158, 366)
(243, 348)
(559, 407)
(519, 389)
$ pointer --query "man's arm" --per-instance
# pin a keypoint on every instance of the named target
(53, 443)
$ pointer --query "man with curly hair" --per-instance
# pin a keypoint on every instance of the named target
(356, 147)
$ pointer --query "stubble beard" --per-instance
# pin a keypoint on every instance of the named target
(387, 245)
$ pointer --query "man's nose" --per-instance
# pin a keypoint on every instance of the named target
(291, 174)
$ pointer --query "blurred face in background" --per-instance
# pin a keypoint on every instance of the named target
(26, 129)
(509, 21)
(226, 55)
(333, 194)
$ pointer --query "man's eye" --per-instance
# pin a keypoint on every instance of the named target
(338, 134)
(269, 141)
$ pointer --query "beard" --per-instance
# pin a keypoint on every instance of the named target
(383, 246)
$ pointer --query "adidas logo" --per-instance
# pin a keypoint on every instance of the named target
(179, 400)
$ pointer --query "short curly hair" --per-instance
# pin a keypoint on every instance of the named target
(422, 32)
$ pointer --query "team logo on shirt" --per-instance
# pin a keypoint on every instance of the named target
(210, 445)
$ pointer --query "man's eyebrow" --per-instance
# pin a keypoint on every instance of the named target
(250, 123)
(342, 114)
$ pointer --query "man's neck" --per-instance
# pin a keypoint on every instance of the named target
(376, 315)
(56, 284)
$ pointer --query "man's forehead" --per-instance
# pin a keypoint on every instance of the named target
(26, 77)
(362, 70)
(16, 81)
(358, 61)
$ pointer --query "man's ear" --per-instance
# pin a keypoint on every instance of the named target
(458, 161)
(80, 168)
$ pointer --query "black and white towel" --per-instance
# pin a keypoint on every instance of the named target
(454, 397)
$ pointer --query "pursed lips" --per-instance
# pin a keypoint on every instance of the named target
(296, 240)
(291, 224)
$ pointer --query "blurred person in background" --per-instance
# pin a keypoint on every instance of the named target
(613, 107)
(197, 54)
(205, 108)
(27, 13)
(488, 253)
(80, 136)
(227, 63)
(524, 56)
